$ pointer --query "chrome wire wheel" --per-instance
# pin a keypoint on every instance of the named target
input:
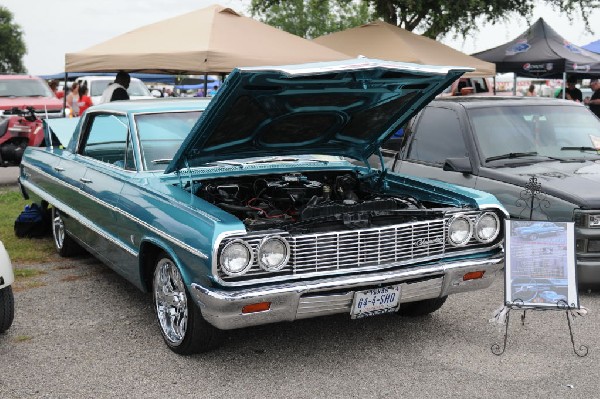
(58, 229)
(170, 301)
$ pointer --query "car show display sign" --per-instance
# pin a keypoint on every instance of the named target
(540, 265)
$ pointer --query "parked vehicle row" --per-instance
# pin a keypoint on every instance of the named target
(241, 211)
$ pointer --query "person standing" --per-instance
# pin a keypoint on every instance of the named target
(594, 102)
(85, 101)
(72, 99)
(531, 91)
(572, 92)
(117, 90)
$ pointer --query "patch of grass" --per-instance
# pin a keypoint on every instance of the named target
(27, 272)
(20, 249)
(23, 338)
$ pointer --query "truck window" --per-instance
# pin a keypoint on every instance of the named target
(437, 136)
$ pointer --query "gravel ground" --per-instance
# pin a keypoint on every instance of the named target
(81, 331)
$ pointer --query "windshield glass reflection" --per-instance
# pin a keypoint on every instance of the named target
(542, 131)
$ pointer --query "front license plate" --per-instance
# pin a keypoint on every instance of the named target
(375, 301)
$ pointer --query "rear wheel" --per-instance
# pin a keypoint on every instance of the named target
(7, 308)
(65, 245)
(181, 323)
(421, 308)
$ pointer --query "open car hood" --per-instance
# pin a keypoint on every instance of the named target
(345, 108)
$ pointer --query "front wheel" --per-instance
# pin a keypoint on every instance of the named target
(181, 323)
(421, 308)
(7, 308)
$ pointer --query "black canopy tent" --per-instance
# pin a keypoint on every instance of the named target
(540, 52)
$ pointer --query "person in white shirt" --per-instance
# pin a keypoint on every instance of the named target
(116, 90)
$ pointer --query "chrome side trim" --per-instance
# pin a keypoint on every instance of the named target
(52, 200)
(78, 216)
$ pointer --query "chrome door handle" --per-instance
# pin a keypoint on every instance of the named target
(58, 169)
(84, 180)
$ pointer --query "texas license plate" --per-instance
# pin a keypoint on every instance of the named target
(375, 301)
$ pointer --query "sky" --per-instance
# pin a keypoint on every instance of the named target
(53, 28)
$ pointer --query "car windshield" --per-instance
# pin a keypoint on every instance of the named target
(535, 133)
(24, 88)
(136, 88)
(161, 136)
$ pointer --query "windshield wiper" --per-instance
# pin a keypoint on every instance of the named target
(511, 155)
(579, 149)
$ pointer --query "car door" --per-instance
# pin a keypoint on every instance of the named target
(438, 133)
(106, 148)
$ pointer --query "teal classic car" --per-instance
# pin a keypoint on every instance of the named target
(241, 211)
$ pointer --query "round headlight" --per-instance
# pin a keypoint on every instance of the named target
(273, 253)
(487, 227)
(460, 230)
(236, 258)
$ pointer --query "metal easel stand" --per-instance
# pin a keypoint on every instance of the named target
(532, 199)
(570, 312)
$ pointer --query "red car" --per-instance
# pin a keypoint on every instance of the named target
(24, 99)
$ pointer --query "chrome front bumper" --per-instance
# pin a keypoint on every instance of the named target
(307, 299)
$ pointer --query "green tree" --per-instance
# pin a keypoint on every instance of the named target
(439, 18)
(312, 18)
(12, 46)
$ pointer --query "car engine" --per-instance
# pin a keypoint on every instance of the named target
(311, 202)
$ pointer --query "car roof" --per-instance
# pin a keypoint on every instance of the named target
(487, 101)
(153, 105)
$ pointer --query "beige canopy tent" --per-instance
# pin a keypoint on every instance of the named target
(381, 40)
(210, 40)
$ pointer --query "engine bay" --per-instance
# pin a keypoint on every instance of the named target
(311, 201)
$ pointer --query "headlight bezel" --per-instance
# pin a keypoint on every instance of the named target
(281, 264)
(452, 220)
(249, 263)
(476, 225)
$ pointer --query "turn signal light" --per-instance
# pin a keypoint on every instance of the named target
(473, 275)
(256, 307)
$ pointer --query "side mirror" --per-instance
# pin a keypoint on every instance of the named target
(462, 165)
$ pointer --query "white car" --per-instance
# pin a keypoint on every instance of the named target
(7, 303)
(96, 84)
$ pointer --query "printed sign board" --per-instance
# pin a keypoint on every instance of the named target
(540, 264)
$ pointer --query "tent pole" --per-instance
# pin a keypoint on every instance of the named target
(64, 113)
(564, 82)
(514, 84)
(205, 84)
(494, 83)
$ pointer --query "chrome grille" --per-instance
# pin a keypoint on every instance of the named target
(328, 253)
(369, 247)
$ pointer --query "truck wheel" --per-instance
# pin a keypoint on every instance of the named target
(421, 308)
(181, 323)
(65, 245)
(7, 308)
